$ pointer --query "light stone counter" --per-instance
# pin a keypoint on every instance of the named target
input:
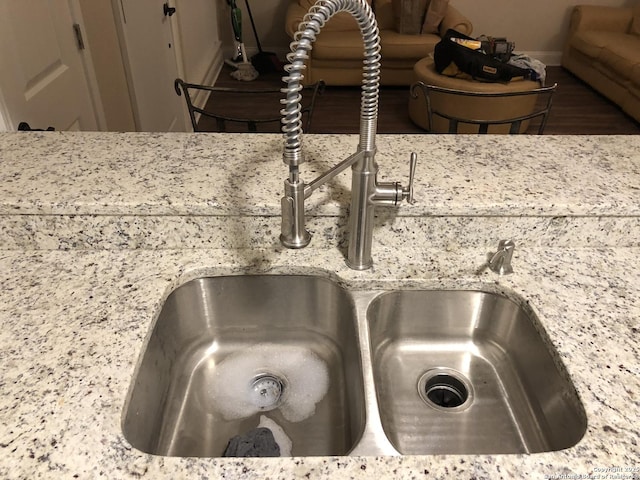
(97, 229)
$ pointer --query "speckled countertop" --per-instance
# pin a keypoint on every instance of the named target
(97, 229)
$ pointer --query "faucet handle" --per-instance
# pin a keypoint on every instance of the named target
(407, 192)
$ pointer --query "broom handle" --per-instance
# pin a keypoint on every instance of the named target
(236, 21)
(253, 25)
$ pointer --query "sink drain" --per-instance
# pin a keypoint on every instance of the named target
(266, 391)
(445, 389)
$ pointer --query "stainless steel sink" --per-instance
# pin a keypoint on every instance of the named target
(462, 372)
(345, 372)
(270, 332)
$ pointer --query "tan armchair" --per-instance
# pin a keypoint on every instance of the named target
(337, 54)
(603, 49)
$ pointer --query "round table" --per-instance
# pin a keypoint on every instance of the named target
(494, 108)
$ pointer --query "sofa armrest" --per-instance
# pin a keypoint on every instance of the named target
(597, 17)
(455, 20)
(295, 14)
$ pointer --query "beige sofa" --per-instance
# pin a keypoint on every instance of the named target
(603, 49)
(337, 54)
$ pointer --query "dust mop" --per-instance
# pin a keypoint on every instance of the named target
(244, 70)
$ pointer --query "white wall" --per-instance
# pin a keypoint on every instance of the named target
(199, 39)
(269, 17)
(538, 27)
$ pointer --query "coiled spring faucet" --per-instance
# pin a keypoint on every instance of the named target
(366, 191)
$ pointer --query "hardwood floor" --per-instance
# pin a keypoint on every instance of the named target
(577, 108)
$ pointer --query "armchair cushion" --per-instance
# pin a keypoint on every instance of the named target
(621, 56)
(591, 42)
(346, 46)
(407, 47)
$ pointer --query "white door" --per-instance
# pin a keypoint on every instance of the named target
(150, 53)
(42, 76)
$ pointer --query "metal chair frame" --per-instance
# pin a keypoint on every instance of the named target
(484, 124)
(252, 123)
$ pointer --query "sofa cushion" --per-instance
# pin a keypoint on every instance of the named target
(591, 42)
(622, 56)
(398, 46)
(348, 45)
(340, 22)
(435, 14)
(384, 14)
(409, 15)
(343, 45)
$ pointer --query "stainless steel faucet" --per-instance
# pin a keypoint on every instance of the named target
(366, 191)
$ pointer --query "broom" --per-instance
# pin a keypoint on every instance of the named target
(244, 69)
(264, 62)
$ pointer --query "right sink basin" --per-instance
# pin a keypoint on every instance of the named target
(467, 372)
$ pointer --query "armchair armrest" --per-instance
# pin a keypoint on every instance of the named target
(295, 14)
(597, 17)
(455, 20)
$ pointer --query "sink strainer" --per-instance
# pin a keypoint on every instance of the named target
(265, 391)
(445, 389)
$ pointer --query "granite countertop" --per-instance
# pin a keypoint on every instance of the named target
(96, 229)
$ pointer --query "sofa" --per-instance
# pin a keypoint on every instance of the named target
(603, 49)
(337, 54)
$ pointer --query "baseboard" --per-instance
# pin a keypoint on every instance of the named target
(550, 59)
(280, 52)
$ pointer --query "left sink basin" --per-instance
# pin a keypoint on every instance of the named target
(229, 352)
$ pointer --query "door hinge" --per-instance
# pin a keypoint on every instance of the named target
(168, 11)
(79, 39)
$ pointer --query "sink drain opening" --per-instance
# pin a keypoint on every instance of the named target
(266, 391)
(445, 389)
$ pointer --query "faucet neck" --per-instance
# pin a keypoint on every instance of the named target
(309, 28)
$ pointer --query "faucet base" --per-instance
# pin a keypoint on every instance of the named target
(297, 242)
(359, 266)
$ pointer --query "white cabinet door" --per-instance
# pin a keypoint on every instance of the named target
(150, 53)
(42, 76)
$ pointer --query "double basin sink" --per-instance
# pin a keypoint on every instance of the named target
(348, 372)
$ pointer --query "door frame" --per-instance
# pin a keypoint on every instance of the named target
(89, 69)
(5, 118)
